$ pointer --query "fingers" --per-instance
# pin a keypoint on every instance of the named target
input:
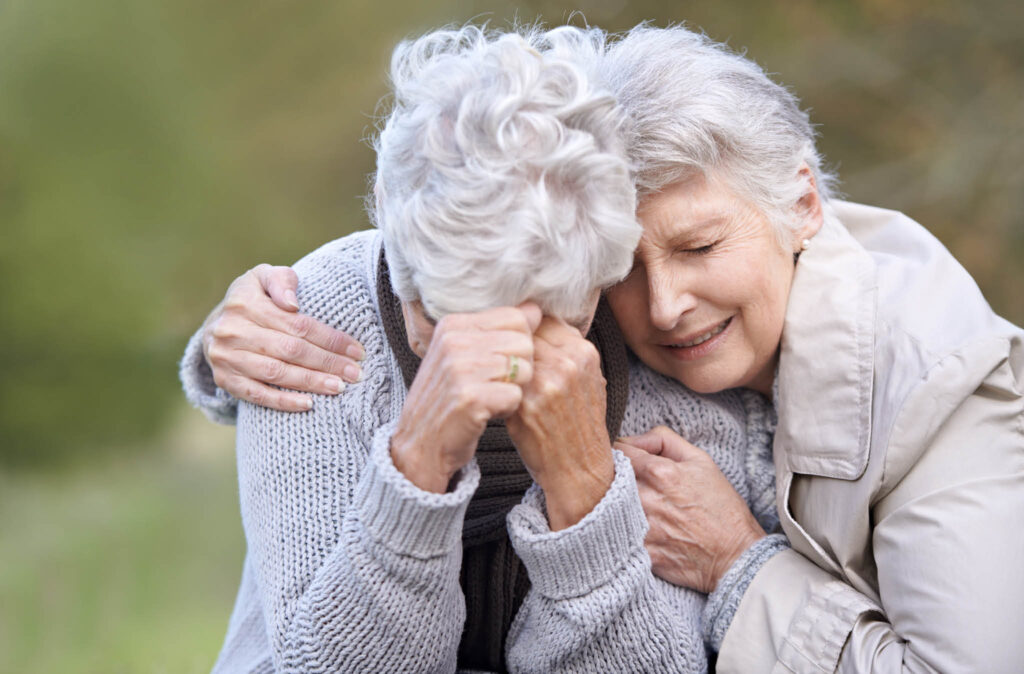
(260, 394)
(266, 296)
(519, 319)
(501, 399)
(231, 345)
(663, 441)
(647, 442)
(556, 332)
(279, 373)
(637, 457)
(532, 314)
(519, 371)
(280, 283)
(313, 331)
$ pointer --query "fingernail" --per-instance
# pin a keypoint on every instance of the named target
(355, 352)
(307, 403)
(335, 385)
(289, 296)
(353, 373)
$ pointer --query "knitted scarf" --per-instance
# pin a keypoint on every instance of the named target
(493, 578)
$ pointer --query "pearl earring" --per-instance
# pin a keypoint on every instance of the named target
(805, 244)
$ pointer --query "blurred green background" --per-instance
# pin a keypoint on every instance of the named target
(152, 151)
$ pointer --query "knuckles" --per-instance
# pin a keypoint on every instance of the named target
(272, 371)
(300, 325)
(224, 329)
(661, 474)
(291, 348)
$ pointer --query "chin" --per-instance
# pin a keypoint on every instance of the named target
(706, 381)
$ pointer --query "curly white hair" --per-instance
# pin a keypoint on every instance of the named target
(502, 174)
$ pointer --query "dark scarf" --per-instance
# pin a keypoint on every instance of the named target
(493, 578)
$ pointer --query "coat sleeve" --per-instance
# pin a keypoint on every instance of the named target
(948, 548)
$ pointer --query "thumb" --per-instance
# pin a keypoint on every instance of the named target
(648, 442)
(532, 313)
(280, 283)
(663, 441)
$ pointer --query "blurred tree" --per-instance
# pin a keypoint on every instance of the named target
(150, 152)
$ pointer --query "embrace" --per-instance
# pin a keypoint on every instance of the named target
(617, 384)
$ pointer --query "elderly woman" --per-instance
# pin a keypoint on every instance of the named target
(899, 452)
(376, 522)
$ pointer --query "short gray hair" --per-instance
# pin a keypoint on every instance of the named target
(698, 108)
(502, 173)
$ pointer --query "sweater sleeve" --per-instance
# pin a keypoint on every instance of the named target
(200, 389)
(594, 605)
(356, 568)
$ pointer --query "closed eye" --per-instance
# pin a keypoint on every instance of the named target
(701, 250)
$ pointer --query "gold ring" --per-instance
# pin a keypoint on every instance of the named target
(513, 368)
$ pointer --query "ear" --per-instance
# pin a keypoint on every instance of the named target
(418, 328)
(808, 208)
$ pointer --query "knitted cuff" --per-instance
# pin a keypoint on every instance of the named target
(723, 602)
(200, 389)
(403, 517)
(585, 556)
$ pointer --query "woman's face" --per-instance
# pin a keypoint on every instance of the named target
(706, 299)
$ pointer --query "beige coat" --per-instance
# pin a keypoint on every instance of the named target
(900, 466)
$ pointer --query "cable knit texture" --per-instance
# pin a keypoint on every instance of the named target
(350, 567)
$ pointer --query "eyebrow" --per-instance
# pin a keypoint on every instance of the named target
(690, 232)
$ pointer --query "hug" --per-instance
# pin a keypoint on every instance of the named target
(636, 392)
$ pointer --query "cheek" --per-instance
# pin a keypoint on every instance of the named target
(628, 302)
(766, 306)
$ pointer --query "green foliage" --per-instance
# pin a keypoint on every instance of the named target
(126, 566)
(152, 151)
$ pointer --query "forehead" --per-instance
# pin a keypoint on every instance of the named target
(689, 207)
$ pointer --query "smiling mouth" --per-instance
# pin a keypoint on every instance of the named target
(700, 339)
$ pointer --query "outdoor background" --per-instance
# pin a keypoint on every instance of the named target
(152, 151)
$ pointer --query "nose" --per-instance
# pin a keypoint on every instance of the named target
(670, 298)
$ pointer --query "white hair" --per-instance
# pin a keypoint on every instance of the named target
(502, 175)
(697, 108)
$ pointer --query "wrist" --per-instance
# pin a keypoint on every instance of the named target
(419, 465)
(571, 494)
(742, 544)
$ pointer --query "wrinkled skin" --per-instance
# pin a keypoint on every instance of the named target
(559, 428)
(460, 385)
(699, 524)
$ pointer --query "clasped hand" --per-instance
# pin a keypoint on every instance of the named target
(555, 411)
(554, 406)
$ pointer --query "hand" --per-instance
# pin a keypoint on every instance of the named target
(559, 429)
(460, 385)
(257, 337)
(699, 524)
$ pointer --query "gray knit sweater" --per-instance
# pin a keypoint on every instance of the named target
(351, 568)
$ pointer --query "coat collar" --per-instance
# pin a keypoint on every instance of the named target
(826, 361)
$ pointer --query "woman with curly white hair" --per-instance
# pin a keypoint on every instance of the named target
(395, 528)
(899, 451)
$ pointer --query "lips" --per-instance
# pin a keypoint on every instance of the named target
(698, 345)
(700, 339)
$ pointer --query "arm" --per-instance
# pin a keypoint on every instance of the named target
(594, 604)
(254, 339)
(350, 557)
(948, 549)
(357, 559)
